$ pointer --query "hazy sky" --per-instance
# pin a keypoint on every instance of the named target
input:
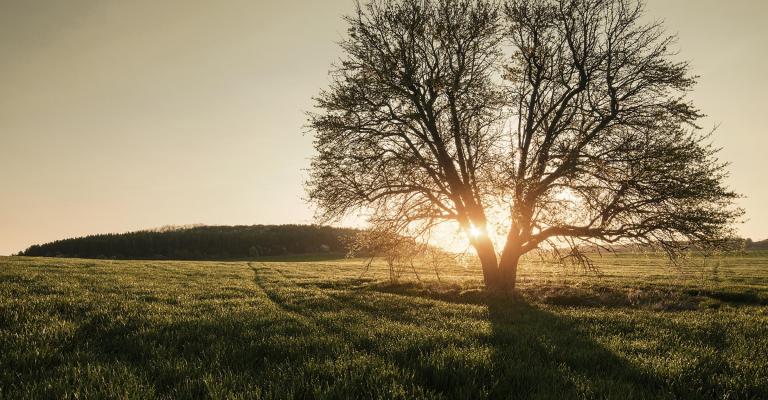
(120, 115)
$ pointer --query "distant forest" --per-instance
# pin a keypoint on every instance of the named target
(759, 245)
(201, 243)
(215, 243)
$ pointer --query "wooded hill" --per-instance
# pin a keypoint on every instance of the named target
(758, 245)
(201, 243)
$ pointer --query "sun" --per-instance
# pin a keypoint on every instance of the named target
(474, 231)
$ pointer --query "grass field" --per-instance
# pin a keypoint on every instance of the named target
(317, 329)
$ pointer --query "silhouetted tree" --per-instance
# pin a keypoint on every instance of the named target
(399, 252)
(570, 116)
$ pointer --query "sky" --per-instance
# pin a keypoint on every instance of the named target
(123, 115)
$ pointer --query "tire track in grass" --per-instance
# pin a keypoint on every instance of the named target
(271, 296)
(341, 298)
(278, 302)
(361, 326)
(344, 302)
(336, 328)
(293, 310)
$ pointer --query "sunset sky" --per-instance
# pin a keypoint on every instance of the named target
(123, 115)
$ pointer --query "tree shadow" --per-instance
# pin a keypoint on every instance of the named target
(535, 353)
(487, 346)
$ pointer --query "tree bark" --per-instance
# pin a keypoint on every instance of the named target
(508, 268)
(488, 262)
(510, 257)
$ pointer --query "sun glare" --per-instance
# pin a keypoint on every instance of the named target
(474, 231)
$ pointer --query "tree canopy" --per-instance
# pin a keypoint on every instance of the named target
(571, 117)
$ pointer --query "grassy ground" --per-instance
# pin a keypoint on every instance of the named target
(316, 329)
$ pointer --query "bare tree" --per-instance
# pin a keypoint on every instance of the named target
(398, 251)
(569, 115)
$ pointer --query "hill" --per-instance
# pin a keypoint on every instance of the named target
(201, 243)
(758, 245)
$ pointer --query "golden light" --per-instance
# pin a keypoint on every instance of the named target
(474, 231)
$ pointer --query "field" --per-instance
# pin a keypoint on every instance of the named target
(74, 328)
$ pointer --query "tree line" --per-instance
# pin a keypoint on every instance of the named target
(756, 245)
(201, 243)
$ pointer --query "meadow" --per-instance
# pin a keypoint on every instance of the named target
(75, 328)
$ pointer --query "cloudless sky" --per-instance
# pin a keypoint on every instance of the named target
(122, 115)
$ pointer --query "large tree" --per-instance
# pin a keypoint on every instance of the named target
(570, 116)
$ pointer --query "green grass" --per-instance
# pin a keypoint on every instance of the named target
(316, 329)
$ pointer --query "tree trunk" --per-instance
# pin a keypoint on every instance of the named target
(487, 255)
(509, 259)
(508, 268)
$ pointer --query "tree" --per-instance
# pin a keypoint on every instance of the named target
(398, 251)
(570, 116)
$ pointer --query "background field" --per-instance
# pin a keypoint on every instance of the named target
(74, 328)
